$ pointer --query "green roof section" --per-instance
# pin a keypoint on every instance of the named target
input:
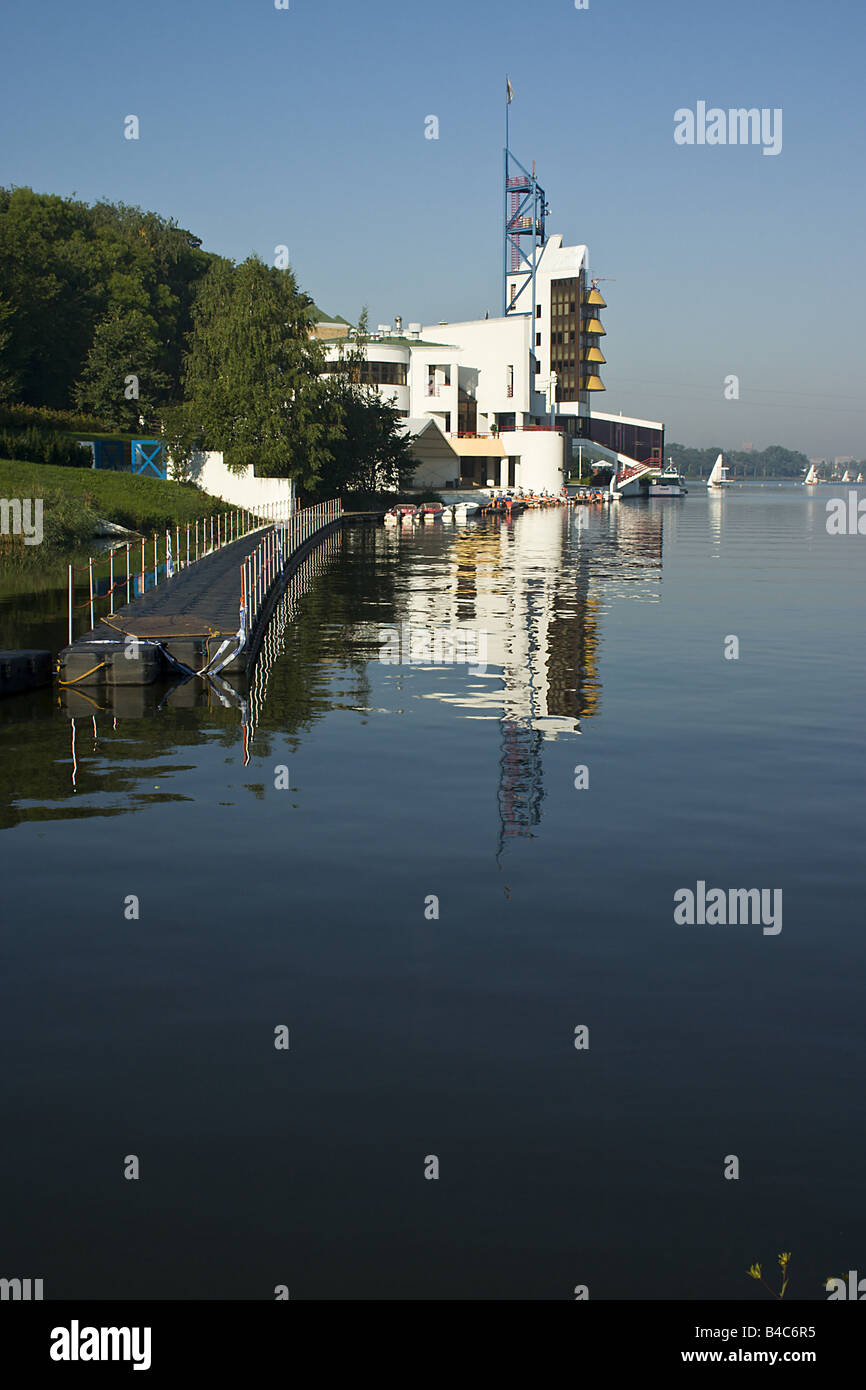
(321, 317)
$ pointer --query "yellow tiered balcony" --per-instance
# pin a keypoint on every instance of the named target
(593, 354)
(593, 326)
(595, 300)
(592, 383)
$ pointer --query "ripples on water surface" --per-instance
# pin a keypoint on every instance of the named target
(454, 1037)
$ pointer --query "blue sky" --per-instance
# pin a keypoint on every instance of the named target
(305, 127)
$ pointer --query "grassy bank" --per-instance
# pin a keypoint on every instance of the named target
(76, 498)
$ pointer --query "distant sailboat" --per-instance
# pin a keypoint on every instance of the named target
(719, 476)
(846, 476)
(811, 477)
(859, 478)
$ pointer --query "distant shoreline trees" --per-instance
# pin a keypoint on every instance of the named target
(773, 462)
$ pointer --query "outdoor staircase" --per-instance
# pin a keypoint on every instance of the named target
(630, 471)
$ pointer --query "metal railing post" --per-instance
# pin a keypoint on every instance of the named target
(71, 592)
(111, 580)
(90, 570)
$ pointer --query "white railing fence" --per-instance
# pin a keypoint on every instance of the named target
(148, 563)
(264, 565)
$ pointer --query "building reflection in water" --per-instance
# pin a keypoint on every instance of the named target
(537, 588)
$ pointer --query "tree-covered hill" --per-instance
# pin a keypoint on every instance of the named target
(78, 283)
(119, 315)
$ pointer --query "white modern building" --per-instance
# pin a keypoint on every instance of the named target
(504, 402)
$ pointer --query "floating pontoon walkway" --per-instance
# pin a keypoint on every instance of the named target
(207, 618)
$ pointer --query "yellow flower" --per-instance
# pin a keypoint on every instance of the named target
(755, 1271)
(784, 1258)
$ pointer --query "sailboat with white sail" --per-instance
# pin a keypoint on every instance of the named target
(846, 476)
(719, 475)
(811, 477)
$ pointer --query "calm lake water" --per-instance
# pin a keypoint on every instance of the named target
(413, 1036)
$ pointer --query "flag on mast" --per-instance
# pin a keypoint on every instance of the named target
(509, 91)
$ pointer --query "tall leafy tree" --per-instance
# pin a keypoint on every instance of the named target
(253, 387)
(122, 381)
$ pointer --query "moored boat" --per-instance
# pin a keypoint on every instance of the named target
(404, 514)
(505, 505)
(430, 511)
(668, 483)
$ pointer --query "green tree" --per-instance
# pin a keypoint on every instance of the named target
(122, 380)
(66, 266)
(8, 378)
(371, 455)
(253, 385)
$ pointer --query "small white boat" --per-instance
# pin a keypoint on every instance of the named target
(463, 510)
(719, 474)
(811, 477)
(668, 483)
(846, 476)
(859, 478)
(430, 511)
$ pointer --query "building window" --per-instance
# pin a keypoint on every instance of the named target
(509, 381)
(538, 340)
(437, 379)
(564, 330)
(373, 373)
(538, 311)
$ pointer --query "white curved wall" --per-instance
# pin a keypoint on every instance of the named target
(540, 458)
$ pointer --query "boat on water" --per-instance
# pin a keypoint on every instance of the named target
(403, 515)
(668, 483)
(811, 477)
(538, 499)
(463, 510)
(859, 478)
(587, 495)
(846, 476)
(505, 505)
(718, 474)
(430, 511)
